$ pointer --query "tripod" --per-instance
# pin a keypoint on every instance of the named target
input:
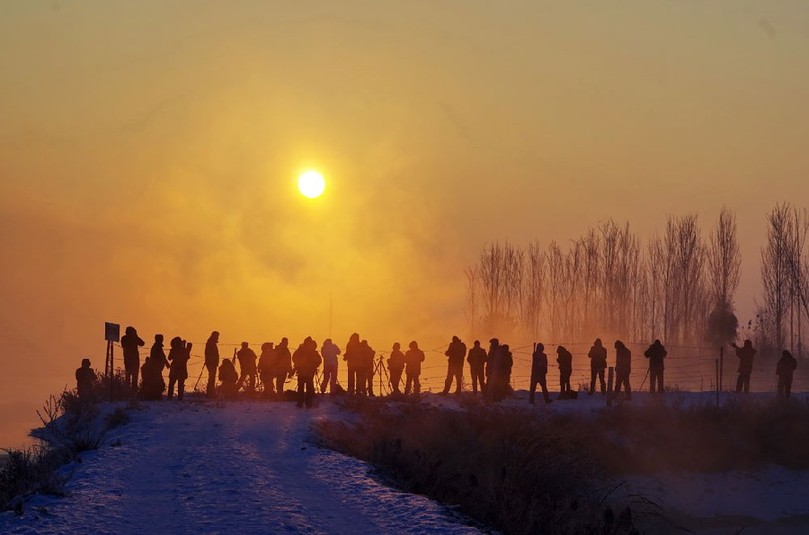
(379, 368)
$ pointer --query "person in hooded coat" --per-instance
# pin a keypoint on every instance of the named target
(85, 380)
(130, 342)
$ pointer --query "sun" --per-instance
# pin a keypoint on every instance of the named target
(311, 184)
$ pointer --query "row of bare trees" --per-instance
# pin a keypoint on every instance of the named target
(678, 287)
(785, 280)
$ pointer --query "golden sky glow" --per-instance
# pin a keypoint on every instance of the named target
(146, 151)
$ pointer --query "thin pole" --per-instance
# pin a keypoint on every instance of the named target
(717, 382)
(721, 368)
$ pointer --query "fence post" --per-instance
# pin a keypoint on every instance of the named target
(721, 368)
(717, 382)
(610, 378)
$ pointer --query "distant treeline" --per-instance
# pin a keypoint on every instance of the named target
(679, 286)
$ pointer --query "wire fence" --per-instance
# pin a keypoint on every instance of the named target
(688, 368)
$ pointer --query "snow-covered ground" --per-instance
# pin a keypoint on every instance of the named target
(238, 467)
(196, 467)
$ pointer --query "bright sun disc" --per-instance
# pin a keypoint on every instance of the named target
(311, 184)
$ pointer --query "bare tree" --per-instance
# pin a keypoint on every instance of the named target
(724, 265)
(776, 278)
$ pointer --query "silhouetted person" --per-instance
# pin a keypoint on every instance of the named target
(152, 383)
(656, 354)
(282, 367)
(329, 351)
(155, 385)
(497, 368)
(784, 370)
(623, 367)
(539, 372)
(247, 367)
(85, 379)
(227, 378)
(598, 363)
(212, 362)
(396, 364)
(354, 362)
(265, 365)
(477, 365)
(368, 354)
(413, 359)
(456, 353)
(306, 360)
(130, 342)
(508, 365)
(565, 360)
(745, 354)
(179, 353)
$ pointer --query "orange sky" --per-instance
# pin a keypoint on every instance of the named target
(149, 151)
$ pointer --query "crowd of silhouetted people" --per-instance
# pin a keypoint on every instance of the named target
(489, 370)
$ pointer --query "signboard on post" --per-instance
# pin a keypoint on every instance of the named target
(112, 332)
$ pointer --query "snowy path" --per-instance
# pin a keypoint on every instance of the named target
(244, 467)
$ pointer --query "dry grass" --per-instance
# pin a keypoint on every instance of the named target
(515, 474)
